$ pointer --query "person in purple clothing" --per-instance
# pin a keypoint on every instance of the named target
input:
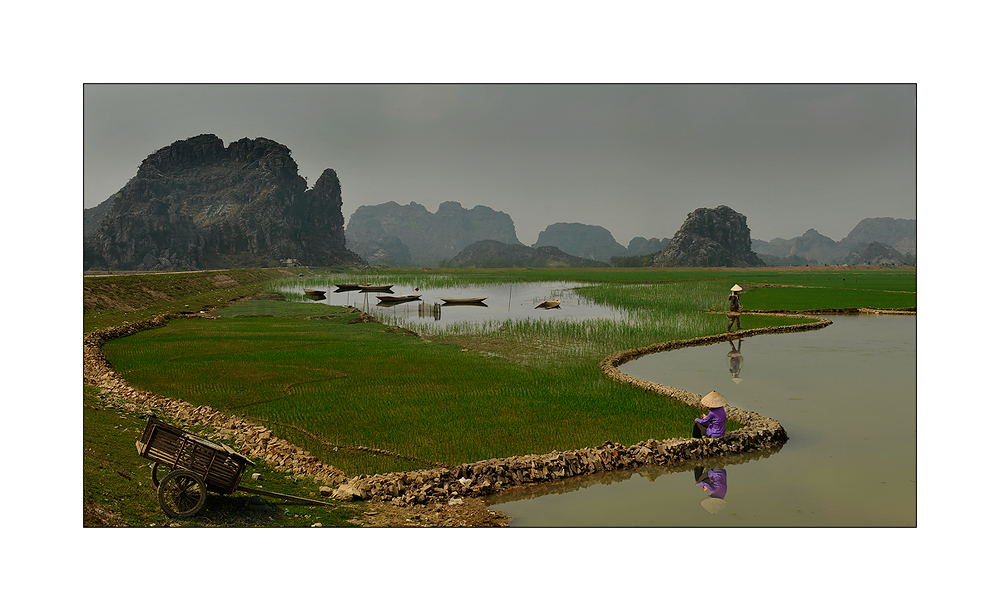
(712, 424)
(713, 482)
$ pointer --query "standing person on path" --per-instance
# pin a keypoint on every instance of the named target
(712, 424)
(735, 307)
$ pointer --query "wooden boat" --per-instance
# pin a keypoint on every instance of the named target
(374, 287)
(548, 304)
(315, 293)
(346, 287)
(464, 300)
(397, 298)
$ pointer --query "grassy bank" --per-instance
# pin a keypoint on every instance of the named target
(118, 490)
(354, 385)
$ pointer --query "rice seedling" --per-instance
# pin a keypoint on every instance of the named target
(461, 392)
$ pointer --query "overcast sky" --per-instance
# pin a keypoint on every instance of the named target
(635, 159)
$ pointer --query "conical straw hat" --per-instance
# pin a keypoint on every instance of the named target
(736, 288)
(713, 505)
(713, 399)
(737, 380)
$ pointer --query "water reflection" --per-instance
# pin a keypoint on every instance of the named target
(649, 473)
(429, 310)
(715, 483)
(468, 304)
(832, 472)
(735, 360)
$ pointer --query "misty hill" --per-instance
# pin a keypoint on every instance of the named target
(586, 241)
(640, 246)
(900, 234)
(429, 238)
(491, 253)
(595, 242)
(877, 254)
(813, 247)
(717, 237)
(198, 204)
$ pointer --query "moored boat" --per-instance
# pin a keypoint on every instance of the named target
(548, 304)
(464, 300)
(397, 298)
(315, 293)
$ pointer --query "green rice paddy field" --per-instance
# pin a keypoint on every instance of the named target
(456, 397)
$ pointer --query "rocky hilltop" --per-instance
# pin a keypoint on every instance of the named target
(716, 237)
(198, 204)
(380, 232)
(491, 253)
(92, 217)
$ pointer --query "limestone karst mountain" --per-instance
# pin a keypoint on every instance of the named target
(429, 238)
(716, 237)
(198, 204)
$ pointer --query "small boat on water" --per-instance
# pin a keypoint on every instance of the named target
(315, 293)
(396, 298)
(346, 287)
(464, 300)
(374, 287)
(548, 304)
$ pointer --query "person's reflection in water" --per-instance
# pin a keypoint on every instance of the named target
(713, 482)
(735, 361)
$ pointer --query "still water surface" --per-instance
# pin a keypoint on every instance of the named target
(846, 395)
(503, 302)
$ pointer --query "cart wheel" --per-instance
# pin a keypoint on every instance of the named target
(156, 480)
(182, 494)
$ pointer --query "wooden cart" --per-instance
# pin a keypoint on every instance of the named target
(194, 467)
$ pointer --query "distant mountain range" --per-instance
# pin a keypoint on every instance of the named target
(394, 235)
(813, 248)
(198, 204)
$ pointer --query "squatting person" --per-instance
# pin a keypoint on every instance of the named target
(712, 424)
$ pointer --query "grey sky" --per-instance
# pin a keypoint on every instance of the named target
(635, 159)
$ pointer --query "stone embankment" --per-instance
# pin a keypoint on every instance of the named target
(450, 483)
(497, 474)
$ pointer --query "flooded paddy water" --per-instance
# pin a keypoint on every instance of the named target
(846, 395)
(503, 302)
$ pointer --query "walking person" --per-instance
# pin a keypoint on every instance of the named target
(735, 307)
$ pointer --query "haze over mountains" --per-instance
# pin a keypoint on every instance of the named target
(395, 235)
(198, 204)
